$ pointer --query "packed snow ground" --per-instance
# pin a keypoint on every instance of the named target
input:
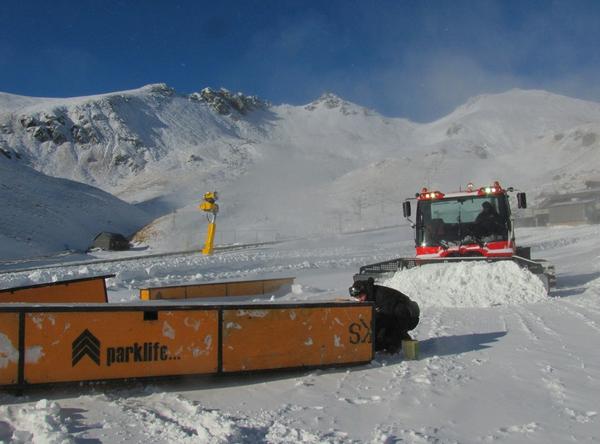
(517, 369)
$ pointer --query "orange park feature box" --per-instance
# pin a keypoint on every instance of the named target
(9, 348)
(307, 335)
(89, 289)
(93, 344)
(219, 289)
(46, 344)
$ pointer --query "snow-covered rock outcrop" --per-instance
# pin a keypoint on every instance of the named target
(224, 102)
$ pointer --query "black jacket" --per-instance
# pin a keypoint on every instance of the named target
(489, 223)
(395, 314)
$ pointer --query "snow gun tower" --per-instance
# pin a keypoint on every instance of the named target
(211, 208)
(471, 225)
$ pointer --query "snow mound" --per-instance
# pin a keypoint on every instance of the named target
(469, 284)
(40, 422)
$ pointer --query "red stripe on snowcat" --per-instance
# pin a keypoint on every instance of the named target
(491, 249)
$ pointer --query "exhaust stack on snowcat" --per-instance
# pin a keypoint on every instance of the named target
(475, 224)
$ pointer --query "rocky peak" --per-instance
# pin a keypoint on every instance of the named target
(161, 89)
(332, 101)
(225, 102)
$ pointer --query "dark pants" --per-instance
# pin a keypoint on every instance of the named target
(390, 332)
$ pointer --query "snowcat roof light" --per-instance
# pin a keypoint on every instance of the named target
(470, 186)
(430, 195)
(494, 189)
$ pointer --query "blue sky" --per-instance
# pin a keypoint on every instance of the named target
(416, 59)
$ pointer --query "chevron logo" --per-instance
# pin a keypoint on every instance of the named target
(86, 344)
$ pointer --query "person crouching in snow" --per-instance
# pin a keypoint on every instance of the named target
(395, 313)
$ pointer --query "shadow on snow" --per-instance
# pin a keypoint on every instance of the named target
(574, 284)
(457, 344)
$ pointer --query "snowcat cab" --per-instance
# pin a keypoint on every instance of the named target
(475, 224)
(470, 223)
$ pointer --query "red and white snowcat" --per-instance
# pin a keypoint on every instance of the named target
(473, 225)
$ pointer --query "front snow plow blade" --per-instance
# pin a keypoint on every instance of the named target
(382, 270)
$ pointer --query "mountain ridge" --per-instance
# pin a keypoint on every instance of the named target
(161, 150)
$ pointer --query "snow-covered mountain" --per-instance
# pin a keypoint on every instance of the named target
(129, 142)
(293, 169)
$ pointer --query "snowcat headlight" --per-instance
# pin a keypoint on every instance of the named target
(488, 190)
(431, 195)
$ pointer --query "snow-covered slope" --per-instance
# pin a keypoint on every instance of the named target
(519, 135)
(42, 214)
(285, 170)
(511, 120)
